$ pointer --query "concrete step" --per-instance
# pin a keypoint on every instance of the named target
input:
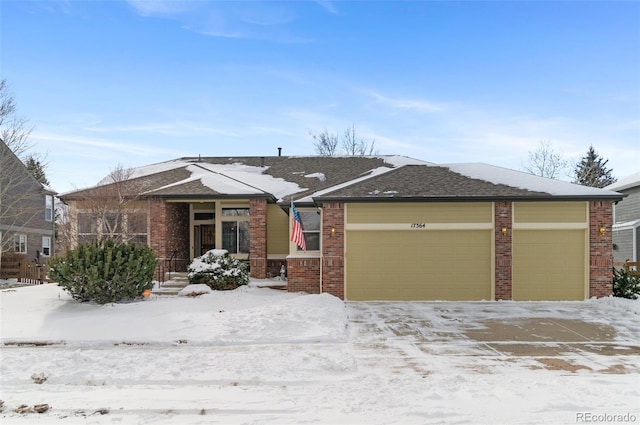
(175, 281)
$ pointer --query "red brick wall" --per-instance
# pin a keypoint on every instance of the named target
(258, 243)
(600, 249)
(333, 249)
(169, 230)
(303, 274)
(503, 250)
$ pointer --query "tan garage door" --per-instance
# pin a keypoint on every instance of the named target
(549, 264)
(418, 265)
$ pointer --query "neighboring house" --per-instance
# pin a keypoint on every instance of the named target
(26, 211)
(626, 219)
(376, 228)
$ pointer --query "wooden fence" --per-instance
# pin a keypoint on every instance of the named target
(17, 267)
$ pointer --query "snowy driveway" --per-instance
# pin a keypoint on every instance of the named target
(261, 356)
(567, 336)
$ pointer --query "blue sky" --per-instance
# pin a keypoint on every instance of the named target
(136, 82)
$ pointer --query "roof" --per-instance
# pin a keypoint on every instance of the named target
(316, 179)
(627, 183)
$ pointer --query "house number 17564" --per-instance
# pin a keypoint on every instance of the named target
(418, 225)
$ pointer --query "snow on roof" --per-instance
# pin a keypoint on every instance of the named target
(375, 172)
(628, 182)
(398, 161)
(505, 176)
(233, 179)
(250, 177)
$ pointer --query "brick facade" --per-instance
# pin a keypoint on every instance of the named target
(258, 243)
(600, 249)
(169, 230)
(503, 250)
(333, 249)
(303, 274)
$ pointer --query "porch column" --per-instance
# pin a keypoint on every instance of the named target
(333, 249)
(258, 243)
(600, 249)
(504, 250)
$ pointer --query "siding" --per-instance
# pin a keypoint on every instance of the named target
(278, 231)
(629, 208)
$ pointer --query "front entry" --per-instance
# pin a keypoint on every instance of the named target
(204, 237)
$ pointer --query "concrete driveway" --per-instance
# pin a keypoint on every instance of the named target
(479, 336)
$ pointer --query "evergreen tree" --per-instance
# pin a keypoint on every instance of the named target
(36, 168)
(592, 171)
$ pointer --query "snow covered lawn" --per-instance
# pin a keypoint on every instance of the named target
(260, 356)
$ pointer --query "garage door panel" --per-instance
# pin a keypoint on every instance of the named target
(549, 265)
(420, 265)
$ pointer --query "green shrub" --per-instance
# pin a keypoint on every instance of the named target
(218, 270)
(104, 271)
(625, 284)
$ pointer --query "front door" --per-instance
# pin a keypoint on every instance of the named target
(204, 237)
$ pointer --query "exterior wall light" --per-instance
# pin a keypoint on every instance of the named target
(602, 230)
(333, 231)
(503, 230)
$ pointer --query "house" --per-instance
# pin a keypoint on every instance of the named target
(376, 228)
(626, 220)
(26, 211)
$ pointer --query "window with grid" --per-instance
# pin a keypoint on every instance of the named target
(236, 230)
(46, 246)
(137, 227)
(87, 228)
(48, 208)
(310, 228)
(20, 244)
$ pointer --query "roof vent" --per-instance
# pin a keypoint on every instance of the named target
(262, 161)
(279, 151)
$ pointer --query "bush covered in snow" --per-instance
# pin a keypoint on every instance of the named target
(218, 270)
(104, 271)
(626, 284)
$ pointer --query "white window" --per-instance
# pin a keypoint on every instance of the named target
(48, 208)
(310, 228)
(236, 230)
(46, 246)
(20, 244)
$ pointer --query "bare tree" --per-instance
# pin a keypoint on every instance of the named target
(21, 195)
(14, 130)
(111, 209)
(357, 146)
(326, 144)
(64, 235)
(546, 162)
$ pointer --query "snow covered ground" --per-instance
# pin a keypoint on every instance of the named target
(263, 356)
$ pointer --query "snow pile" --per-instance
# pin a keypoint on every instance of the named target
(247, 314)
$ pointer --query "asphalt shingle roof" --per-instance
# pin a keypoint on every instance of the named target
(321, 179)
(419, 181)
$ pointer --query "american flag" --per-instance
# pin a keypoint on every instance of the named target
(296, 233)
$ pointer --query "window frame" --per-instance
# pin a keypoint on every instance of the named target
(243, 217)
(47, 246)
(18, 245)
(48, 208)
(301, 212)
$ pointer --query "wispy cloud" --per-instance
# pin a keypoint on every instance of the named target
(329, 6)
(168, 129)
(102, 145)
(228, 19)
(416, 105)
